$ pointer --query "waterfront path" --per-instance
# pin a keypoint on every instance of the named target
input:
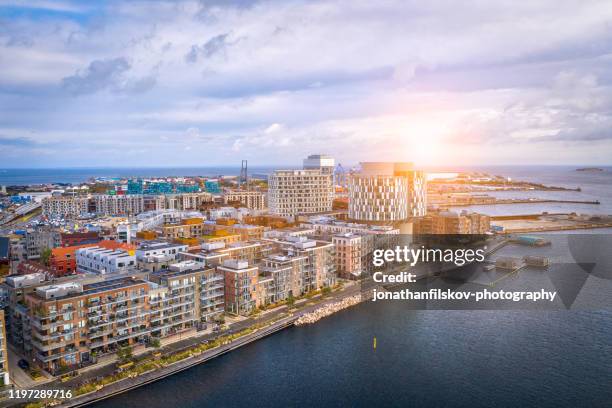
(304, 306)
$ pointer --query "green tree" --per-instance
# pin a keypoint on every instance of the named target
(45, 256)
(290, 301)
(125, 353)
(155, 342)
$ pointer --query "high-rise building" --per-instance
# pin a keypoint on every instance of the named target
(308, 191)
(293, 192)
(321, 162)
(387, 192)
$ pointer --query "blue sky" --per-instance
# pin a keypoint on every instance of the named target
(197, 83)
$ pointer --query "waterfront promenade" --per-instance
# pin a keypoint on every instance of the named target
(277, 319)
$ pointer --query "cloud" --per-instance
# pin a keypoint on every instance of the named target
(486, 82)
(99, 75)
(210, 48)
(16, 142)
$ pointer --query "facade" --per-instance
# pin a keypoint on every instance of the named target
(328, 226)
(79, 238)
(452, 223)
(63, 260)
(286, 272)
(319, 269)
(186, 201)
(321, 162)
(72, 323)
(4, 365)
(62, 207)
(106, 204)
(174, 302)
(36, 240)
(241, 287)
(254, 200)
(293, 192)
(187, 228)
(100, 260)
(349, 255)
(387, 192)
(159, 248)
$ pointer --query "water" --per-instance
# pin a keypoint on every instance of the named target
(423, 358)
(11, 177)
(595, 186)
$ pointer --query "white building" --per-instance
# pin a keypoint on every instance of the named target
(107, 204)
(329, 226)
(387, 192)
(293, 192)
(60, 207)
(159, 249)
(104, 261)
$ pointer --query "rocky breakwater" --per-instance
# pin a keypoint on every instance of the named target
(329, 309)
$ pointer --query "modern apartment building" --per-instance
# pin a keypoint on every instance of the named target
(329, 226)
(101, 260)
(319, 266)
(286, 272)
(64, 206)
(106, 204)
(63, 260)
(67, 323)
(349, 255)
(72, 322)
(254, 200)
(174, 301)
(387, 192)
(241, 287)
(157, 255)
(322, 162)
(293, 192)
(36, 240)
(186, 228)
(451, 223)
(186, 201)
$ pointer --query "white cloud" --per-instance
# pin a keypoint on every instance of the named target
(276, 80)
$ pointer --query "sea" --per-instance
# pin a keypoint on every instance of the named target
(423, 358)
(75, 175)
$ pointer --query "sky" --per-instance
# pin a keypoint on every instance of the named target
(207, 83)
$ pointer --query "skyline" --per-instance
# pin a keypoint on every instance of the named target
(203, 84)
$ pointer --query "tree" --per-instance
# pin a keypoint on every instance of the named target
(155, 342)
(326, 290)
(45, 256)
(290, 301)
(124, 353)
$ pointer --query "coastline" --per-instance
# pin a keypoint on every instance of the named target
(196, 357)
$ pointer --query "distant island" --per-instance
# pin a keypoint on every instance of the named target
(590, 169)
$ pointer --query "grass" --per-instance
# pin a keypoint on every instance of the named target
(154, 361)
